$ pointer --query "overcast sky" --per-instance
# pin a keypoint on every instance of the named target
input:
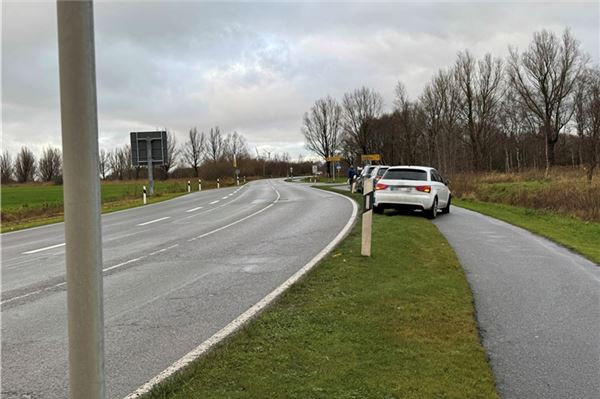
(253, 67)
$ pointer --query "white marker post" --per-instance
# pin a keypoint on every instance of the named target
(244, 179)
(353, 184)
(144, 194)
(199, 185)
(189, 187)
(218, 183)
(83, 235)
(367, 217)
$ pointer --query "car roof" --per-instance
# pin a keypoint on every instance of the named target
(411, 167)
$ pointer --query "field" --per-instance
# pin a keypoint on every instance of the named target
(565, 191)
(34, 204)
(397, 325)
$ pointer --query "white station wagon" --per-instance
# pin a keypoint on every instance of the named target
(413, 187)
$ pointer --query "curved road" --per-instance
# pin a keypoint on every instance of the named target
(538, 307)
(175, 273)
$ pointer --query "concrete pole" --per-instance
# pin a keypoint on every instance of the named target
(83, 235)
(150, 167)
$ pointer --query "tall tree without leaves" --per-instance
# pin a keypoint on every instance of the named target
(6, 167)
(172, 154)
(322, 127)
(194, 149)
(358, 107)
(25, 165)
(480, 83)
(544, 78)
(215, 146)
(50, 164)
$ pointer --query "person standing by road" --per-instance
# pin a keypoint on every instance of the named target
(351, 175)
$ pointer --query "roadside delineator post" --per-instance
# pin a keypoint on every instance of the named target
(144, 194)
(218, 183)
(189, 187)
(237, 181)
(367, 217)
(353, 189)
(244, 179)
(83, 233)
(199, 185)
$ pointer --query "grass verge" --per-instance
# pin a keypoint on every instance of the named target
(397, 325)
(38, 204)
(578, 235)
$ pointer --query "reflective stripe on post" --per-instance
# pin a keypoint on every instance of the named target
(367, 217)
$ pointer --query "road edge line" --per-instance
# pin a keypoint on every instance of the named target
(249, 314)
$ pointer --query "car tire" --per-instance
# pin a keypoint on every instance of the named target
(446, 209)
(378, 210)
(432, 213)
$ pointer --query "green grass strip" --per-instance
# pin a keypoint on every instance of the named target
(578, 235)
(397, 325)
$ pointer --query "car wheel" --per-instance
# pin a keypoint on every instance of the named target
(432, 213)
(446, 209)
(378, 210)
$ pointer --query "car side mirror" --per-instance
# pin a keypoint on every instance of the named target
(446, 181)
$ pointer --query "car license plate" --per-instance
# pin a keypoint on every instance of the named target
(402, 189)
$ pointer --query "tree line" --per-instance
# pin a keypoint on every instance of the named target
(537, 108)
(203, 155)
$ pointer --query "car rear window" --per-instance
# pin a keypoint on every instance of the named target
(381, 171)
(369, 170)
(406, 174)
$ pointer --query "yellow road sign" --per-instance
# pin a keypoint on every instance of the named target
(370, 157)
(336, 158)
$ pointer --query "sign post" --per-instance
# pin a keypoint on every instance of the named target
(367, 217)
(83, 235)
(331, 160)
(149, 148)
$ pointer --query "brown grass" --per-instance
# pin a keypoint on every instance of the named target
(565, 190)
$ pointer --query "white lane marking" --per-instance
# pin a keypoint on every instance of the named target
(225, 197)
(247, 315)
(103, 270)
(214, 202)
(123, 263)
(43, 249)
(164, 249)
(194, 209)
(154, 221)
(239, 220)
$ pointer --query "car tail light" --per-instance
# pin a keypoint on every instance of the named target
(424, 189)
(381, 186)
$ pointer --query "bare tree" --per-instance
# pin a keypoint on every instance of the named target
(544, 77)
(358, 108)
(25, 165)
(194, 149)
(235, 144)
(215, 144)
(6, 167)
(103, 163)
(50, 164)
(481, 92)
(172, 154)
(322, 128)
(588, 121)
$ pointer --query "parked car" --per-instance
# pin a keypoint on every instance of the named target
(365, 174)
(379, 172)
(413, 187)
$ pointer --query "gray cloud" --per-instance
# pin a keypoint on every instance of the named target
(252, 67)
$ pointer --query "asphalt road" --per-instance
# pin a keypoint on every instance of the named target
(175, 272)
(538, 307)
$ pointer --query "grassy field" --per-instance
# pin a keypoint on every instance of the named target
(397, 325)
(565, 191)
(576, 234)
(35, 204)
